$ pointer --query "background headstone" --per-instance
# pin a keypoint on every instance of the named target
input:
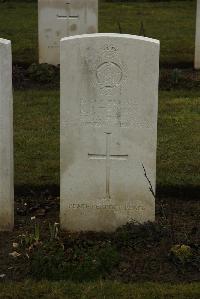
(109, 103)
(6, 138)
(61, 18)
(197, 41)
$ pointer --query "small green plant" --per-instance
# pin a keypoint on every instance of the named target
(51, 260)
(47, 261)
(134, 235)
(181, 252)
(54, 230)
(36, 235)
(176, 76)
(28, 240)
(142, 29)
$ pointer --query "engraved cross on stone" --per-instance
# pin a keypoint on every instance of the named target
(68, 14)
(108, 157)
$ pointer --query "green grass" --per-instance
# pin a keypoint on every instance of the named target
(18, 22)
(99, 290)
(178, 141)
(173, 23)
(36, 126)
(36, 135)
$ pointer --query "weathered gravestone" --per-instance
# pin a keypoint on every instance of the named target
(109, 103)
(197, 42)
(61, 18)
(6, 138)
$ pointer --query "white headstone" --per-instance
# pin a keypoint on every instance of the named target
(109, 103)
(61, 18)
(6, 138)
(197, 42)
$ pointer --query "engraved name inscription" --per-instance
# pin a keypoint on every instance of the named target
(112, 112)
(67, 16)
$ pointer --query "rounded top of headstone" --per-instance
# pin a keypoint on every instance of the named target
(4, 41)
(114, 35)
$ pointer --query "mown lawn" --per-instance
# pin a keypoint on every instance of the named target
(36, 127)
(98, 290)
(173, 23)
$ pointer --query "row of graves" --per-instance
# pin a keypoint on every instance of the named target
(58, 19)
(108, 119)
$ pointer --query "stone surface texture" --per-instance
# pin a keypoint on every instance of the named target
(61, 18)
(109, 103)
(197, 41)
(6, 138)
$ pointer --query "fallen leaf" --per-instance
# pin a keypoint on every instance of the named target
(15, 245)
(14, 254)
